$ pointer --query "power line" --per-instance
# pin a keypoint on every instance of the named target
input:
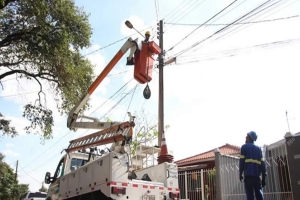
(30, 176)
(46, 150)
(165, 18)
(13, 95)
(232, 31)
(253, 22)
(193, 8)
(222, 36)
(111, 96)
(130, 101)
(115, 42)
(201, 25)
(234, 52)
(220, 30)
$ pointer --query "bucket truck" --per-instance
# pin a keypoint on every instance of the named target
(90, 172)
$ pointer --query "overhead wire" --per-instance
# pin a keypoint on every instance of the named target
(130, 101)
(219, 31)
(30, 175)
(114, 42)
(233, 31)
(167, 16)
(250, 22)
(235, 52)
(201, 26)
(185, 14)
(243, 27)
(226, 33)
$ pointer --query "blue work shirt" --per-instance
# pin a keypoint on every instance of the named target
(252, 161)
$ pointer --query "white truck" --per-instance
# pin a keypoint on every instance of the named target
(108, 174)
(86, 172)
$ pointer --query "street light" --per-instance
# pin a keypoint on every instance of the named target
(129, 25)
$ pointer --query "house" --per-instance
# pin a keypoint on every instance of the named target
(196, 173)
(206, 160)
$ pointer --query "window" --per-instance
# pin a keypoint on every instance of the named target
(60, 169)
(77, 163)
(37, 195)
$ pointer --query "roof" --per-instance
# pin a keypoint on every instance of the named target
(226, 149)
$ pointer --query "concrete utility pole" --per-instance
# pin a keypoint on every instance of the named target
(161, 83)
(16, 175)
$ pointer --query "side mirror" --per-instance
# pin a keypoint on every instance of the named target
(47, 178)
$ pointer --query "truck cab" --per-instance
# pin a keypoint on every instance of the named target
(66, 165)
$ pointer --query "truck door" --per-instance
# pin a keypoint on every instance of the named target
(59, 172)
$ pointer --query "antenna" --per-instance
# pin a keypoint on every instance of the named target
(287, 119)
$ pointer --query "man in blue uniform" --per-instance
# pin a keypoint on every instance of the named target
(253, 166)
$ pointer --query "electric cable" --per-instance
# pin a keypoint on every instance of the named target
(242, 28)
(169, 18)
(220, 30)
(241, 23)
(130, 101)
(235, 52)
(201, 25)
(30, 175)
(124, 38)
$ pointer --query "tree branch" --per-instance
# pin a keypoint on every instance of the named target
(4, 3)
(6, 64)
(26, 73)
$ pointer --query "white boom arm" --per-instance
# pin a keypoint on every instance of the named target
(72, 123)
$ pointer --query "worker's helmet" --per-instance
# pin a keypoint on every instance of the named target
(147, 33)
(252, 135)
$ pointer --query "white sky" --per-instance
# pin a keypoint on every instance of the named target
(207, 103)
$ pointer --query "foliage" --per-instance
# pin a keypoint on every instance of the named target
(10, 189)
(210, 190)
(146, 131)
(6, 128)
(41, 41)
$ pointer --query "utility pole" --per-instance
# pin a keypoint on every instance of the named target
(16, 175)
(164, 156)
(161, 83)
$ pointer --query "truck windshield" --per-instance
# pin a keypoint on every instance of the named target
(77, 163)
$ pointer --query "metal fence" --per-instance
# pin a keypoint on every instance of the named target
(278, 184)
(197, 184)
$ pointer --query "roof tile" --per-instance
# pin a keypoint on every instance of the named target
(227, 149)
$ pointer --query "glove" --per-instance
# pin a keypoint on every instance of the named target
(263, 182)
(241, 178)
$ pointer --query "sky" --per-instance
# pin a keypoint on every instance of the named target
(215, 93)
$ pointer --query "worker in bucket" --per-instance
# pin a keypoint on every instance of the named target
(135, 49)
(252, 166)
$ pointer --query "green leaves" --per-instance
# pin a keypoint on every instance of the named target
(40, 41)
(5, 127)
(9, 187)
(39, 117)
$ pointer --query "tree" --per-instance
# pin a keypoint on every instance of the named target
(41, 41)
(10, 189)
(146, 131)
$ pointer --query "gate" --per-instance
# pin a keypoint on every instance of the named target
(197, 184)
(278, 184)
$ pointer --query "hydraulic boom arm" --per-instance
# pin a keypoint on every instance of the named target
(74, 113)
(117, 133)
